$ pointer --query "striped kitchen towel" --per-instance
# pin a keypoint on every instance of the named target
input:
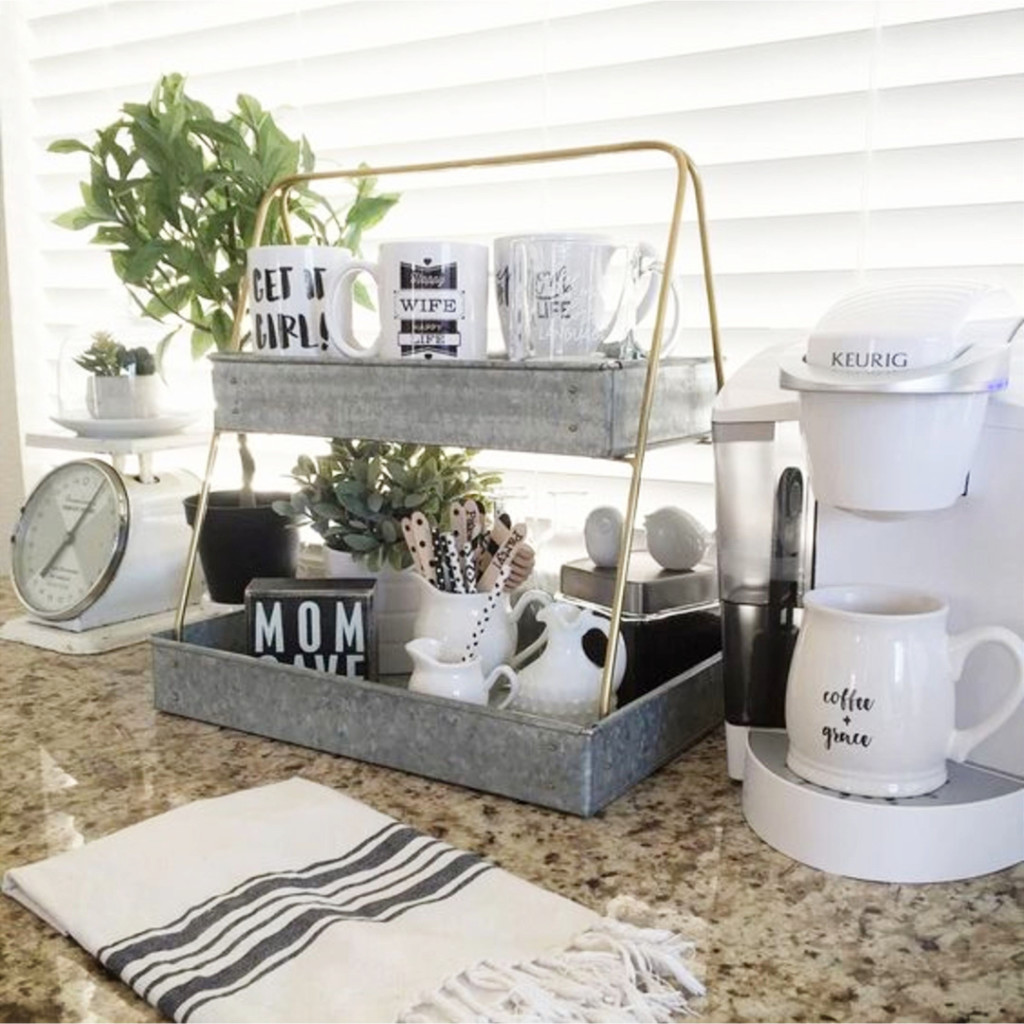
(292, 902)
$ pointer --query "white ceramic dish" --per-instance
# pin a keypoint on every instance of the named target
(150, 426)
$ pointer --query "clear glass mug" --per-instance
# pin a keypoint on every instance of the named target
(563, 296)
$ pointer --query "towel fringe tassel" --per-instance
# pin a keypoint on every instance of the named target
(614, 971)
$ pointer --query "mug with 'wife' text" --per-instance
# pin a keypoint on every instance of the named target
(432, 300)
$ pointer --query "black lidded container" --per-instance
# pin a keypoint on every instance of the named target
(670, 618)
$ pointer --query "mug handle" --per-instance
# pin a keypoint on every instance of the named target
(963, 741)
(656, 270)
(543, 598)
(338, 304)
(518, 308)
(513, 684)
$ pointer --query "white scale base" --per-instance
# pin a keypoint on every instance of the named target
(101, 639)
(972, 825)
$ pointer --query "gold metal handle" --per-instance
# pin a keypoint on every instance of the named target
(193, 546)
(684, 170)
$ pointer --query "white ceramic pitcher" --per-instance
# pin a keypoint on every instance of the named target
(441, 672)
(478, 624)
(565, 680)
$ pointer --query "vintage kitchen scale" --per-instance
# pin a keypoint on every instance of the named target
(913, 447)
(98, 556)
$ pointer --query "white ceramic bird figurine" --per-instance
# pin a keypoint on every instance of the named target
(602, 534)
(675, 538)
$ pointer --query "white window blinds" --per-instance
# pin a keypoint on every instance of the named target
(838, 142)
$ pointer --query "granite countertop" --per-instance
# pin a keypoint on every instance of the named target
(83, 753)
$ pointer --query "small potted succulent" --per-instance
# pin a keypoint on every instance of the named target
(355, 498)
(123, 382)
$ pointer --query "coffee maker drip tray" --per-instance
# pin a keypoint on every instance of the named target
(972, 825)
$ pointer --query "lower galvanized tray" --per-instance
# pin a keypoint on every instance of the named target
(538, 760)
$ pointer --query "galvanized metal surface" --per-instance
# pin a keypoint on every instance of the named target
(577, 408)
(541, 761)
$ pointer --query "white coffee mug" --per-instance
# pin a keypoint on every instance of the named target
(871, 698)
(432, 298)
(562, 296)
(287, 284)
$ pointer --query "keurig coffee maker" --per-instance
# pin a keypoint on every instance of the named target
(887, 449)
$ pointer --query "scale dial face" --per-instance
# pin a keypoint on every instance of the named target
(70, 539)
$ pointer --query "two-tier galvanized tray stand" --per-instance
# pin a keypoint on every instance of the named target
(603, 409)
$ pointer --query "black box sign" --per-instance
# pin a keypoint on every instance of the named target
(326, 625)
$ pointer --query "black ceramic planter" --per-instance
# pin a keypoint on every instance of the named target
(239, 542)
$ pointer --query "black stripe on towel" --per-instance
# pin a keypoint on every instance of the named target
(300, 932)
(265, 915)
(104, 950)
(118, 956)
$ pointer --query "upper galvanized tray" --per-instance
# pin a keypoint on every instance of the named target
(568, 408)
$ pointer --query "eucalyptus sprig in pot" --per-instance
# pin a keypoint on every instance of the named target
(355, 498)
(174, 193)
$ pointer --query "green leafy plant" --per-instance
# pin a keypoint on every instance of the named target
(173, 193)
(356, 496)
(106, 357)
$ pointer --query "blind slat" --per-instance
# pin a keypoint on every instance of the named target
(838, 143)
(825, 184)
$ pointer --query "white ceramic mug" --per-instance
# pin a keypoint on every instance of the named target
(443, 672)
(562, 296)
(871, 699)
(287, 285)
(432, 298)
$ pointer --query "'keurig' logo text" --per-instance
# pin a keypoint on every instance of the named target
(870, 360)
